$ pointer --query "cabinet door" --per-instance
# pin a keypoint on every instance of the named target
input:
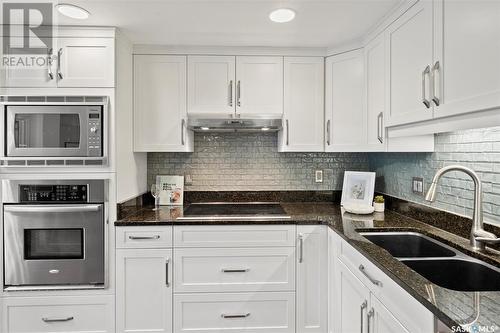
(143, 291)
(303, 104)
(259, 86)
(85, 62)
(345, 107)
(467, 67)
(375, 93)
(351, 297)
(409, 57)
(160, 104)
(382, 320)
(20, 74)
(312, 273)
(211, 84)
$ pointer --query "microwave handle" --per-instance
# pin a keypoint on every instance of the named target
(52, 209)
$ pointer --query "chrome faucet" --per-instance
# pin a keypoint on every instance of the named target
(478, 236)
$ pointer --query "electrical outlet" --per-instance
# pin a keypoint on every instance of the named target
(318, 176)
(188, 179)
(417, 185)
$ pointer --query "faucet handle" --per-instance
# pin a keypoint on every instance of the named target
(484, 236)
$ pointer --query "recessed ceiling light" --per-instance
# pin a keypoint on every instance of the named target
(203, 128)
(265, 129)
(282, 15)
(73, 11)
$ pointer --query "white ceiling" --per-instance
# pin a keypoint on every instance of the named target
(319, 23)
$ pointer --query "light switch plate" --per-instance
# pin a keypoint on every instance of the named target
(318, 176)
(417, 185)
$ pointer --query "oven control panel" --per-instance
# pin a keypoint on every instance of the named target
(53, 193)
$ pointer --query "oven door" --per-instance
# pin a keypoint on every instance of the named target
(46, 131)
(51, 245)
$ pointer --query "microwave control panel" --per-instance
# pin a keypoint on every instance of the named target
(53, 193)
(95, 133)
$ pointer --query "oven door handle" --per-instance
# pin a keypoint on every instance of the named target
(52, 209)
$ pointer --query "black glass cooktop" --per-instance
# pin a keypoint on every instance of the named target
(234, 209)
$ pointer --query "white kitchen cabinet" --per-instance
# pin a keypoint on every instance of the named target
(85, 62)
(382, 320)
(409, 42)
(466, 65)
(160, 104)
(312, 274)
(345, 120)
(259, 86)
(211, 85)
(303, 116)
(143, 290)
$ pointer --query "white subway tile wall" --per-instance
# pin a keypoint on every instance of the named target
(251, 162)
(478, 149)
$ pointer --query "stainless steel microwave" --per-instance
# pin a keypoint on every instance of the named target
(64, 133)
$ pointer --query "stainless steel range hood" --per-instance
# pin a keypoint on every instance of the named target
(234, 124)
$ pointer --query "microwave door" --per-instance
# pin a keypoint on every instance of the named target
(47, 131)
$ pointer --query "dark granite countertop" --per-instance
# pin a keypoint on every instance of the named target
(451, 307)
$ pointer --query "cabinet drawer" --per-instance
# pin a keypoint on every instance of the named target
(234, 236)
(143, 237)
(259, 312)
(58, 314)
(239, 269)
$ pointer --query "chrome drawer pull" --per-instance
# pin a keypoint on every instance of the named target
(53, 320)
(232, 316)
(372, 280)
(167, 263)
(362, 308)
(301, 248)
(369, 316)
(144, 237)
(226, 270)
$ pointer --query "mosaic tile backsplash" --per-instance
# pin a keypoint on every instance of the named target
(478, 149)
(251, 162)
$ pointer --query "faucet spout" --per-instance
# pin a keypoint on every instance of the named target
(478, 236)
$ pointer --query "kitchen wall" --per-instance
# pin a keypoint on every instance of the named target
(478, 149)
(249, 162)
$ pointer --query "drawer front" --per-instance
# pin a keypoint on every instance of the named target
(143, 237)
(410, 312)
(238, 269)
(249, 313)
(59, 314)
(234, 236)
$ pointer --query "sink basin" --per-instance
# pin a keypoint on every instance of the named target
(457, 274)
(409, 244)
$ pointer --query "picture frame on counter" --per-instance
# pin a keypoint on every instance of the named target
(171, 189)
(358, 188)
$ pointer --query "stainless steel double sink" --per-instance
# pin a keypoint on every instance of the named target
(439, 263)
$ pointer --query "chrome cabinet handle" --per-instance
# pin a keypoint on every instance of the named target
(328, 132)
(53, 320)
(426, 102)
(362, 308)
(287, 133)
(230, 97)
(380, 127)
(435, 87)
(369, 316)
(228, 270)
(49, 64)
(183, 123)
(232, 316)
(167, 263)
(59, 55)
(52, 209)
(238, 93)
(301, 248)
(372, 280)
(143, 237)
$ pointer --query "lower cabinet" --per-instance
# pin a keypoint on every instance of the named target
(235, 312)
(82, 314)
(143, 290)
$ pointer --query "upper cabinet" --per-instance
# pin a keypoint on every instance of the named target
(409, 58)
(71, 62)
(235, 86)
(160, 104)
(211, 84)
(345, 119)
(303, 115)
(466, 66)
